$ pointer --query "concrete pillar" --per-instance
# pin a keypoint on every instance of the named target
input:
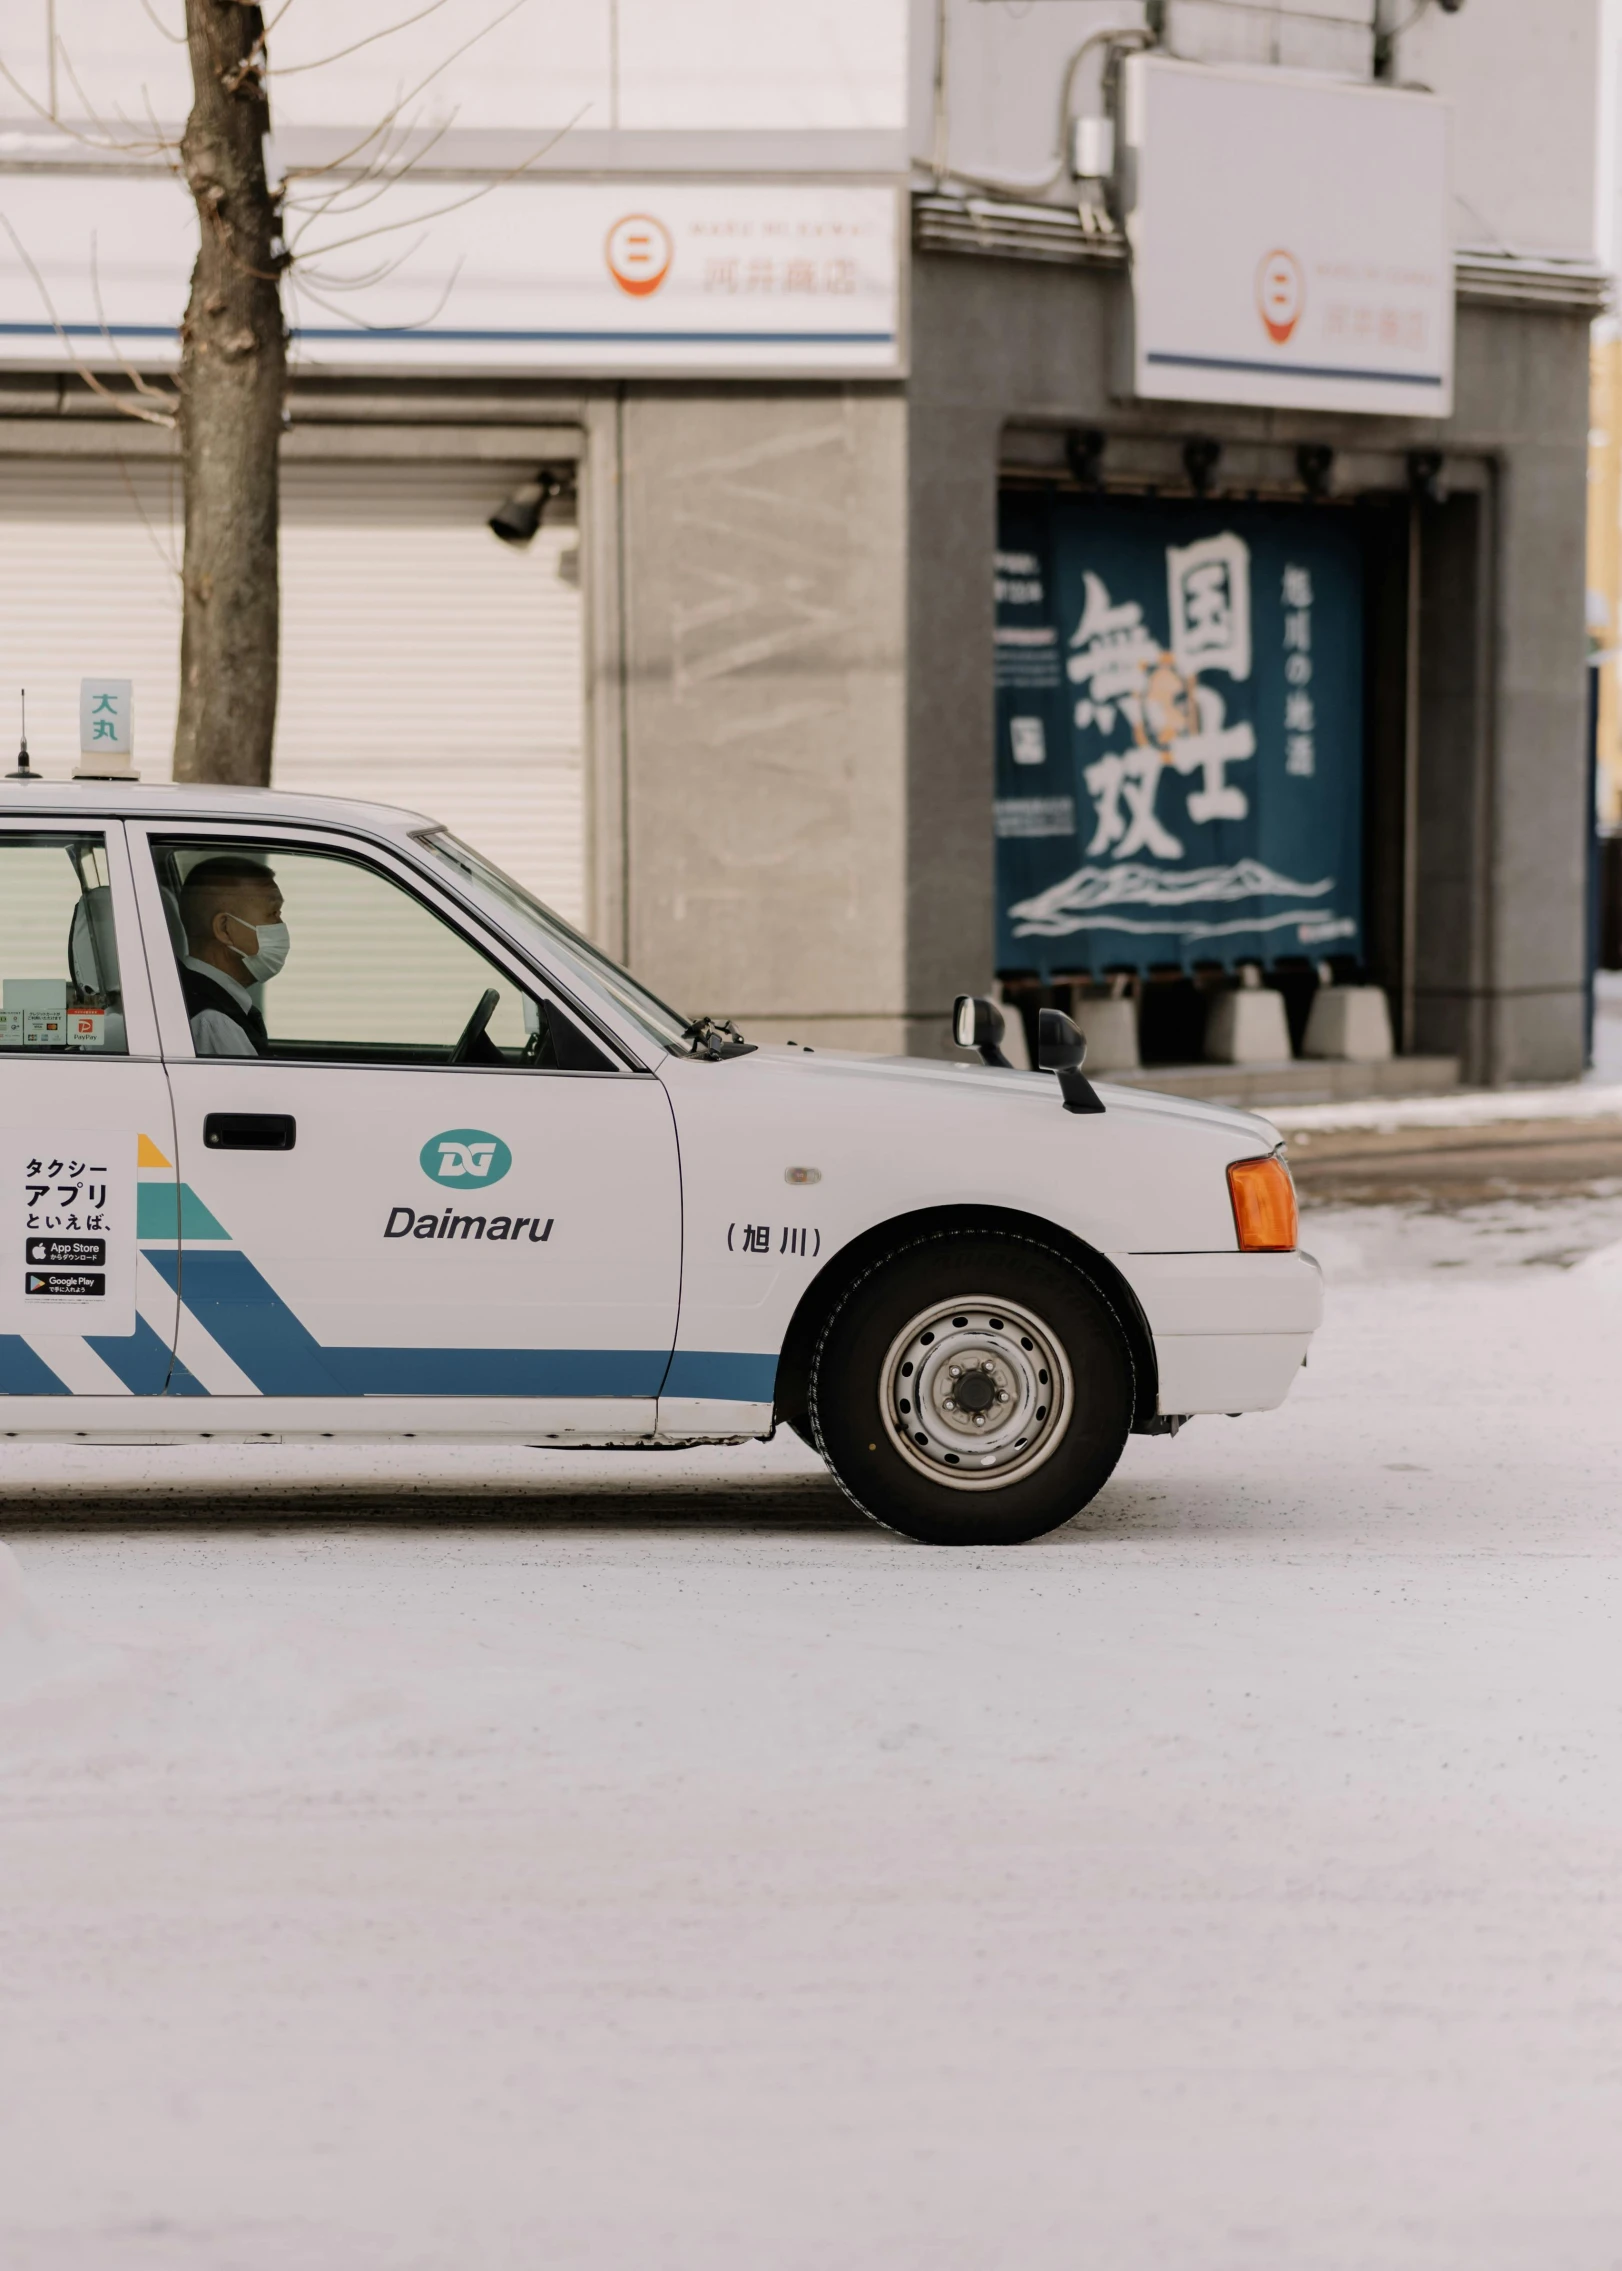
(760, 714)
(1540, 806)
(951, 722)
(1503, 767)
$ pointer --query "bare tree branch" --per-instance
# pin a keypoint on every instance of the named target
(164, 554)
(130, 149)
(140, 384)
(158, 24)
(457, 205)
(286, 70)
(378, 275)
(87, 141)
(373, 181)
(417, 323)
(167, 146)
(81, 370)
(335, 165)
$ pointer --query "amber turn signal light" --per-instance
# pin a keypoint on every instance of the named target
(1263, 1206)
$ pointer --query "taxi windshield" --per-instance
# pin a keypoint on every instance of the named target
(578, 957)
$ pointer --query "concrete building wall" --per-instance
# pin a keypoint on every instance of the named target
(1525, 83)
(763, 550)
(635, 64)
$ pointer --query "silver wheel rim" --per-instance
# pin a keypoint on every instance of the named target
(976, 1393)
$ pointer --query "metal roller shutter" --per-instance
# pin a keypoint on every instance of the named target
(89, 585)
(423, 662)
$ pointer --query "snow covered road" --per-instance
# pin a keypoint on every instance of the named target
(671, 1871)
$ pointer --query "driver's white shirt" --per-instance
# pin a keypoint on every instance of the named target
(213, 1034)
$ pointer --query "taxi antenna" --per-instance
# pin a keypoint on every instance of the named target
(24, 770)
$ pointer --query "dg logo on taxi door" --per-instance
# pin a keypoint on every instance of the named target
(466, 1158)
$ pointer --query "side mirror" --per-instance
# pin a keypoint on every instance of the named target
(978, 1024)
(1061, 1047)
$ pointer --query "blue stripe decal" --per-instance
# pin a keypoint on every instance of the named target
(431, 338)
(182, 1382)
(240, 1310)
(257, 1330)
(142, 1360)
(22, 1373)
(497, 1371)
(254, 1326)
(724, 1378)
(1292, 370)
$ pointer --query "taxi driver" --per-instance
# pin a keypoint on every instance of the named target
(231, 912)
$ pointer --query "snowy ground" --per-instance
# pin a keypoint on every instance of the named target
(666, 1871)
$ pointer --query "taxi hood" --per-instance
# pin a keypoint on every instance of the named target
(1125, 1103)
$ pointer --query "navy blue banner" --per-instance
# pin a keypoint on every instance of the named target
(1179, 734)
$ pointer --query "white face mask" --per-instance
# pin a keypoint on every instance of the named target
(270, 949)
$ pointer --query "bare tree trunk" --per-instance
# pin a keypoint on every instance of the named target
(233, 368)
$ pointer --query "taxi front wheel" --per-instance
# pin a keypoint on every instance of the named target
(972, 1390)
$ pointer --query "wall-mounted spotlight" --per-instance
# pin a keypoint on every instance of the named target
(1201, 457)
(1315, 462)
(1084, 454)
(516, 521)
(1425, 475)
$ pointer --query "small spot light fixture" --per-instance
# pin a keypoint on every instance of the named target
(1084, 455)
(1425, 475)
(1201, 457)
(516, 520)
(1315, 463)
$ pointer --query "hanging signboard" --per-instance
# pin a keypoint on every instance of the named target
(1291, 240)
(1179, 734)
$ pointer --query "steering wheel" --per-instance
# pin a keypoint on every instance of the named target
(488, 1003)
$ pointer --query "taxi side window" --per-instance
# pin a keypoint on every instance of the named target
(59, 981)
(312, 956)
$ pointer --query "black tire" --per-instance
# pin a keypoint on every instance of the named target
(932, 1321)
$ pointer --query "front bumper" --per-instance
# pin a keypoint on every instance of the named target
(1230, 1330)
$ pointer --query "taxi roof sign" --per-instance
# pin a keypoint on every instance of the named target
(106, 730)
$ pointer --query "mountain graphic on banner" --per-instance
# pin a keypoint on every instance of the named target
(1087, 900)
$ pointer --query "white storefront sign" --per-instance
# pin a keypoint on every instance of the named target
(535, 276)
(1291, 240)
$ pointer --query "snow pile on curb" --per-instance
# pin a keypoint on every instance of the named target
(1475, 1108)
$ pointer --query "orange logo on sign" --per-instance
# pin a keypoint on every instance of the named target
(1280, 294)
(638, 253)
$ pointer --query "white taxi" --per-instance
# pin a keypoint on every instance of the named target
(313, 1124)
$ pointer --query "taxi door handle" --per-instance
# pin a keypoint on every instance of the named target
(250, 1131)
